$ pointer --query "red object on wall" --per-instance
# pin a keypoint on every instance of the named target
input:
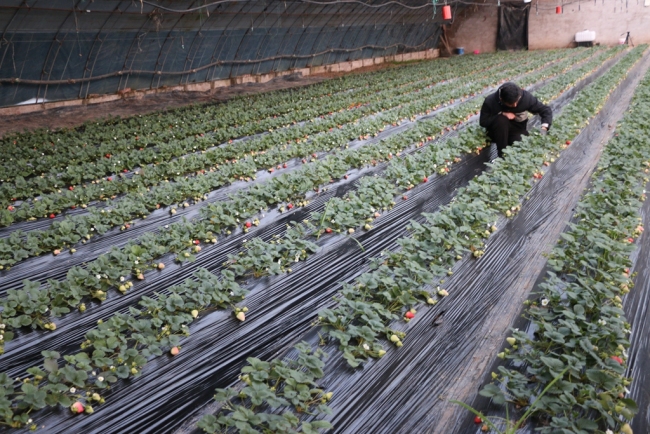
(558, 9)
(446, 12)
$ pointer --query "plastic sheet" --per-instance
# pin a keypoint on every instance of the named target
(589, 144)
(446, 347)
(167, 393)
(637, 306)
(56, 50)
(49, 267)
(214, 353)
(512, 32)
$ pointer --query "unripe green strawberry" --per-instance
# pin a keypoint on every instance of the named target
(626, 429)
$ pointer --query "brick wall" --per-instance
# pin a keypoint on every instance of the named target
(475, 27)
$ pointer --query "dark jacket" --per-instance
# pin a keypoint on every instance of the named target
(528, 103)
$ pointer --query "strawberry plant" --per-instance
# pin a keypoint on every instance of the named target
(286, 385)
(395, 279)
(579, 323)
(101, 220)
(136, 257)
(118, 348)
(128, 153)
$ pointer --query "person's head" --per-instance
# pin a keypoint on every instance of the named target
(509, 94)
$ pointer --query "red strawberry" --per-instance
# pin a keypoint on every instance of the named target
(73, 207)
(409, 315)
(285, 165)
(314, 155)
(568, 142)
(425, 179)
(109, 179)
(618, 359)
(404, 197)
(328, 230)
(304, 161)
(125, 170)
(249, 224)
(71, 188)
(290, 206)
(197, 242)
(174, 351)
(52, 215)
(11, 208)
(478, 420)
(77, 407)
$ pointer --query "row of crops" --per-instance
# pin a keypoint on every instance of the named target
(148, 261)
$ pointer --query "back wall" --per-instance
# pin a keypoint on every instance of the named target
(475, 27)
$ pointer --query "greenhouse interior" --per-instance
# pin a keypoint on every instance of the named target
(325, 216)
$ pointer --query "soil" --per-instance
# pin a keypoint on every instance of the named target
(69, 117)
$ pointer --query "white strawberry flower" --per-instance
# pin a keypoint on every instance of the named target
(609, 431)
(544, 301)
(94, 373)
(98, 277)
(100, 378)
(366, 347)
(136, 262)
(602, 322)
(73, 390)
(121, 279)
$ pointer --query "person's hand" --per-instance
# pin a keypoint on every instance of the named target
(543, 131)
(510, 116)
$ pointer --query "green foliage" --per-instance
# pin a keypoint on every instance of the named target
(580, 326)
